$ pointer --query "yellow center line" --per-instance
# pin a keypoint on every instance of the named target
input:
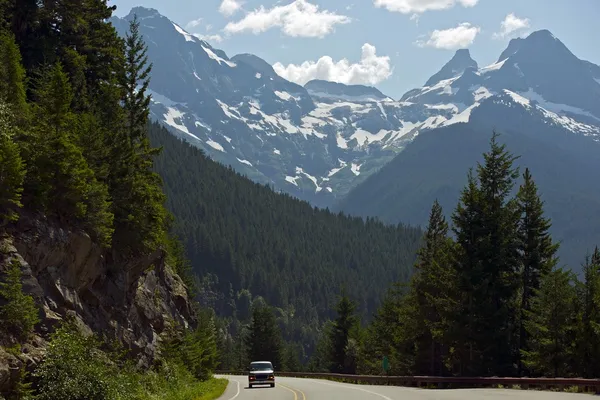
(289, 389)
(294, 391)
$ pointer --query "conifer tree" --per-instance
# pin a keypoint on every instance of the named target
(18, 314)
(135, 83)
(12, 78)
(12, 169)
(485, 224)
(550, 325)
(264, 341)
(59, 181)
(432, 287)
(138, 200)
(536, 248)
(340, 333)
(589, 330)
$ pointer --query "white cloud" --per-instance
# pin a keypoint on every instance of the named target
(415, 17)
(371, 69)
(230, 7)
(298, 19)
(454, 38)
(420, 6)
(193, 24)
(209, 38)
(511, 25)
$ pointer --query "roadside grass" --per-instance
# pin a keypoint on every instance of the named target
(206, 390)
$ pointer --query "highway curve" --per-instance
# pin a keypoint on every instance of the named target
(317, 389)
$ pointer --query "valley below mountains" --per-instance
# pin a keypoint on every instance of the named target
(354, 149)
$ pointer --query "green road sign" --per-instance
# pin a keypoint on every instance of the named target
(386, 364)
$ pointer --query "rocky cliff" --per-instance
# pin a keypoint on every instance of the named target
(70, 276)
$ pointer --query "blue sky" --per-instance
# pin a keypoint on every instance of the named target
(394, 45)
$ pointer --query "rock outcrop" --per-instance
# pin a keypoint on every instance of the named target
(68, 275)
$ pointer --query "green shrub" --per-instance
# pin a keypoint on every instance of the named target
(75, 369)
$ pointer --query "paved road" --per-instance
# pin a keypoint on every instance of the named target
(317, 389)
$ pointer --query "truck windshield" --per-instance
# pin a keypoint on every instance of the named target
(262, 366)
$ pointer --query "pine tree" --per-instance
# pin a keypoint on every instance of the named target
(485, 224)
(59, 181)
(264, 338)
(589, 330)
(18, 314)
(12, 169)
(432, 287)
(12, 78)
(340, 333)
(537, 250)
(551, 326)
(135, 83)
(138, 200)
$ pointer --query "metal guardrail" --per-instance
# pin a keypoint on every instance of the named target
(451, 382)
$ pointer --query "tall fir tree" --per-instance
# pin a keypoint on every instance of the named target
(59, 181)
(12, 78)
(432, 286)
(589, 317)
(485, 224)
(264, 341)
(135, 83)
(12, 169)
(536, 248)
(141, 219)
(13, 116)
(340, 333)
(550, 325)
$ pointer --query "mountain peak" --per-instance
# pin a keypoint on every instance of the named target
(457, 65)
(143, 12)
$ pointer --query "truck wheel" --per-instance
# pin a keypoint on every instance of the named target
(272, 385)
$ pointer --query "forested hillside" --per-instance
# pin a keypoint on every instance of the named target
(245, 240)
(433, 167)
(488, 297)
(91, 304)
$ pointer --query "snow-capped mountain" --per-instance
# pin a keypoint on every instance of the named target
(545, 103)
(315, 142)
(319, 141)
(538, 72)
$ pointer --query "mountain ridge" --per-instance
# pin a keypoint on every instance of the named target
(319, 141)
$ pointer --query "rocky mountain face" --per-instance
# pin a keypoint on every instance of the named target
(69, 275)
(315, 142)
(319, 141)
(543, 100)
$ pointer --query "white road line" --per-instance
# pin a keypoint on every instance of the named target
(347, 386)
(238, 389)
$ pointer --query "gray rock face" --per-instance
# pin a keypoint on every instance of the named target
(314, 142)
(68, 275)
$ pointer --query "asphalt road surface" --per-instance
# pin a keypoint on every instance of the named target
(317, 389)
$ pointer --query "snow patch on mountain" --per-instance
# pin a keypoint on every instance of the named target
(285, 96)
(187, 36)
(248, 163)
(518, 98)
(493, 67)
(218, 59)
(215, 145)
(555, 107)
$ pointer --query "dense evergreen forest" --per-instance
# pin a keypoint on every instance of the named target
(247, 242)
(74, 151)
(487, 297)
